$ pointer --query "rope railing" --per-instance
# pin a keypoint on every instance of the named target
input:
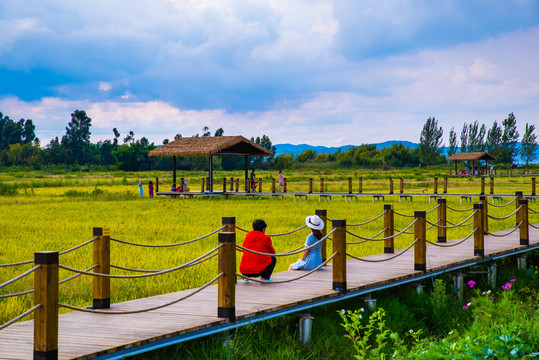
(533, 226)
(200, 259)
(281, 234)
(20, 316)
(454, 225)
(363, 241)
(168, 245)
(530, 210)
(459, 210)
(404, 232)
(431, 210)
(302, 249)
(386, 259)
(289, 280)
(368, 221)
(509, 233)
(503, 217)
(430, 227)
(111, 312)
(26, 273)
(501, 206)
(386, 238)
(18, 263)
(403, 215)
(455, 244)
(32, 290)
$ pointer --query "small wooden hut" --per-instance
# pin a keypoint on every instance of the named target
(210, 146)
(471, 157)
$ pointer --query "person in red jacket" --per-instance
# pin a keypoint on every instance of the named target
(255, 265)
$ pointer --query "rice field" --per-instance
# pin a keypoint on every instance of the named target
(58, 212)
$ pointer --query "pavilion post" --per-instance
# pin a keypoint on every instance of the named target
(231, 184)
(491, 185)
(247, 187)
(156, 185)
(174, 172)
(210, 184)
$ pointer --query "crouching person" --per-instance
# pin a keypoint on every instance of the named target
(255, 265)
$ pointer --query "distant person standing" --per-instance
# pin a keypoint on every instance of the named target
(281, 180)
(253, 182)
(140, 191)
(150, 189)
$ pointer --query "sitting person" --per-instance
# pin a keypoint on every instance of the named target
(311, 258)
(255, 265)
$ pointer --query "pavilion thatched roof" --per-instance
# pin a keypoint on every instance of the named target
(207, 145)
(467, 156)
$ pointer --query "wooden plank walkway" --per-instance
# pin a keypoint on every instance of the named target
(86, 335)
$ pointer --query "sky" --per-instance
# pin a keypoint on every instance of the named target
(325, 73)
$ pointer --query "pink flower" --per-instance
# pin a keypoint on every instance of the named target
(471, 283)
(506, 286)
(491, 298)
(473, 298)
(512, 280)
(464, 307)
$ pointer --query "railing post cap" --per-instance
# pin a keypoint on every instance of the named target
(523, 201)
(338, 223)
(518, 193)
(227, 237)
(98, 231)
(478, 206)
(442, 201)
(226, 220)
(388, 206)
(46, 257)
(482, 197)
(420, 214)
(321, 212)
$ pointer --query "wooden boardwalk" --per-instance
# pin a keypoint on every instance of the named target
(86, 335)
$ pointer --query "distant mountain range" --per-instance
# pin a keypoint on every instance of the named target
(298, 149)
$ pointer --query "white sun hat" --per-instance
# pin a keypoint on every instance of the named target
(314, 222)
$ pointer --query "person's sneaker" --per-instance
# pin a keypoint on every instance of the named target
(268, 280)
(245, 281)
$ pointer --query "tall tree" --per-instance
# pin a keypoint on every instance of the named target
(130, 138)
(430, 142)
(76, 141)
(453, 142)
(219, 132)
(494, 140)
(528, 150)
(464, 138)
(476, 136)
(508, 148)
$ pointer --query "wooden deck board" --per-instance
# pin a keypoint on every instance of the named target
(83, 335)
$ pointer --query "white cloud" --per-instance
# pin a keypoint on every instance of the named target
(105, 86)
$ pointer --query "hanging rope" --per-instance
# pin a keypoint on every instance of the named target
(509, 233)
(78, 246)
(532, 211)
(184, 266)
(368, 221)
(241, 229)
(533, 226)
(386, 238)
(369, 239)
(20, 317)
(17, 264)
(504, 217)
(452, 226)
(431, 210)
(501, 206)
(455, 244)
(26, 273)
(289, 280)
(168, 245)
(363, 241)
(290, 232)
(141, 310)
(403, 215)
(457, 210)
(387, 259)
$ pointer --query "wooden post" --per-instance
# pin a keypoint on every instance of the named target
(349, 185)
(227, 282)
(202, 185)
(156, 185)
(391, 186)
(322, 214)
(519, 196)
(237, 184)
(259, 184)
(284, 185)
(229, 223)
(174, 172)
(533, 186)
(224, 185)
(483, 200)
(436, 185)
(102, 260)
(445, 185)
(389, 247)
(420, 247)
(360, 185)
(339, 261)
(491, 186)
(273, 185)
(442, 220)
(479, 235)
(523, 228)
(182, 182)
(209, 186)
(321, 185)
(231, 184)
(401, 185)
(248, 185)
(46, 295)
(482, 186)
(310, 185)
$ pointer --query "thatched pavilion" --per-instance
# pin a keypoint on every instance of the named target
(210, 146)
(470, 156)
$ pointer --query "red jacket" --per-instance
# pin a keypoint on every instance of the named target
(254, 263)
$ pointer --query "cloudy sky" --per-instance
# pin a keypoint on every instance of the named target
(319, 72)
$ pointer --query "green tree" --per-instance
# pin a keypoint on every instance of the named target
(494, 139)
(508, 148)
(464, 138)
(476, 136)
(528, 150)
(430, 142)
(219, 132)
(76, 141)
(306, 155)
(453, 142)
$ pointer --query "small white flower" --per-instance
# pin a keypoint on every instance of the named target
(468, 304)
(488, 291)
(360, 317)
(342, 311)
(362, 310)
(411, 331)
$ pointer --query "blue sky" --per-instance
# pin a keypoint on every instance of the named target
(319, 72)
